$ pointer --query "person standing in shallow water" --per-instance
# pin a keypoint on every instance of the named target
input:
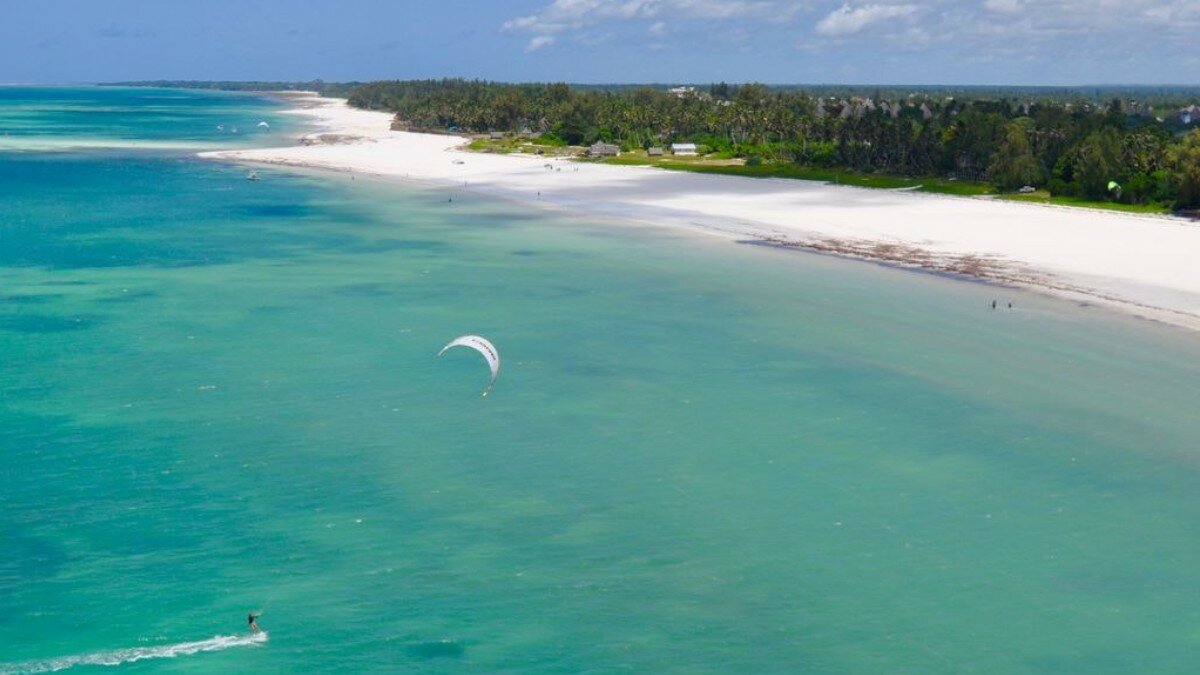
(253, 622)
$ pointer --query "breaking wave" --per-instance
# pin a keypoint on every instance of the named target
(66, 143)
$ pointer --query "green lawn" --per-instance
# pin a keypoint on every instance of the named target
(737, 167)
(510, 144)
(787, 170)
(1043, 197)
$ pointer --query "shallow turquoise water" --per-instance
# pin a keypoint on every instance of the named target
(41, 119)
(219, 396)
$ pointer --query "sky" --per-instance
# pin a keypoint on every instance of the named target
(993, 42)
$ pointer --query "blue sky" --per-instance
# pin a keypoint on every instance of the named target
(778, 41)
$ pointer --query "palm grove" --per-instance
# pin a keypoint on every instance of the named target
(1066, 144)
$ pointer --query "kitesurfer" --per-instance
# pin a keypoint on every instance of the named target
(253, 623)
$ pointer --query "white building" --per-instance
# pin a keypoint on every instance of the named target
(683, 149)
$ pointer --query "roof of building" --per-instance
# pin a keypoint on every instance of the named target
(602, 148)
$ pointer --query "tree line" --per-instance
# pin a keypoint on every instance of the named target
(1142, 147)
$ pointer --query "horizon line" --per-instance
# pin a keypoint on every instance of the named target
(660, 83)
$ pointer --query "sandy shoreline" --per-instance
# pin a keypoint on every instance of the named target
(1145, 265)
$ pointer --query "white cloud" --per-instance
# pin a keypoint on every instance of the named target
(1061, 35)
(1098, 18)
(539, 42)
(1059, 30)
(1012, 27)
(847, 20)
(1177, 15)
(572, 15)
(1003, 6)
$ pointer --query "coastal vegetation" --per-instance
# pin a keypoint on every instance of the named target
(738, 167)
(1139, 149)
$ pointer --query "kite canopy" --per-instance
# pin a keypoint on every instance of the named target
(1113, 185)
(482, 346)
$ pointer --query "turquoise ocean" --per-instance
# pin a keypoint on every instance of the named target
(220, 396)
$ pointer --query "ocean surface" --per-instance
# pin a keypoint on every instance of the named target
(220, 396)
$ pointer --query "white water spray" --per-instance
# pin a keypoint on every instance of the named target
(120, 656)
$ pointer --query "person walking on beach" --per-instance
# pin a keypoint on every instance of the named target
(253, 622)
(993, 304)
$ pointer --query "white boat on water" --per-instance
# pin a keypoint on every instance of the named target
(253, 175)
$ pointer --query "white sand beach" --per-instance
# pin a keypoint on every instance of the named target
(1146, 265)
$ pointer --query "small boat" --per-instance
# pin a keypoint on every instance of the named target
(253, 175)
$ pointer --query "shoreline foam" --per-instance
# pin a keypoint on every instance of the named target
(1140, 264)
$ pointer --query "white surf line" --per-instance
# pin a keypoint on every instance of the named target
(120, 656)
(74, 143)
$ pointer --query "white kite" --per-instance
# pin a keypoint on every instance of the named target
(484, 347)
(264, 124)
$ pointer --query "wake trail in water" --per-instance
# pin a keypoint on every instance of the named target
(120, 656)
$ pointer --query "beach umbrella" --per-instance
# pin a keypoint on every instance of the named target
(483, 346)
